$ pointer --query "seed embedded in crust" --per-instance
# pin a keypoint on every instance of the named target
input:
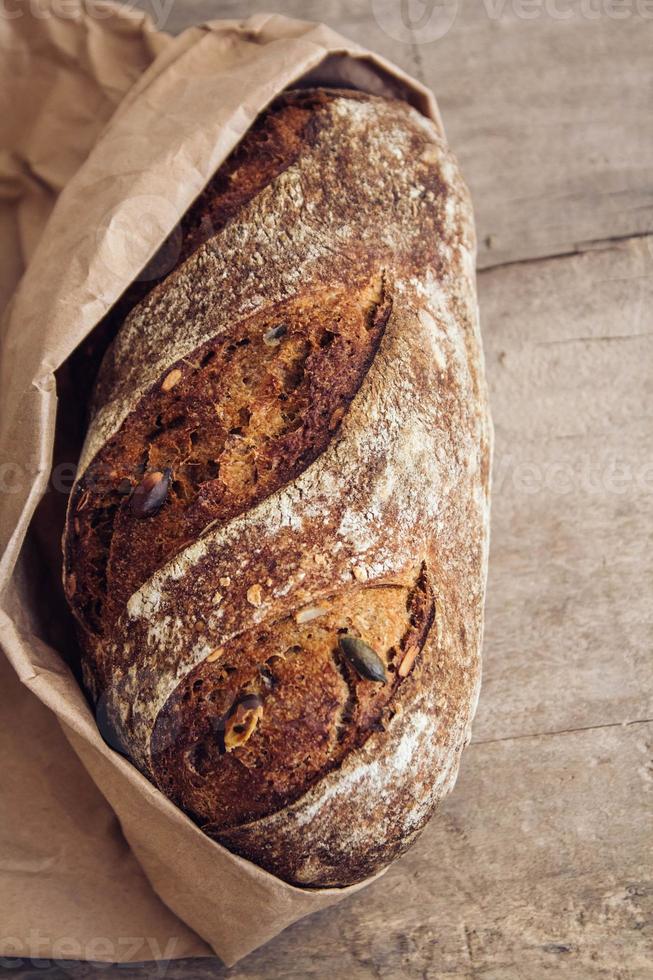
(365, 661)
(308, 613)
(255, 595)
(214, 655)
(360, 573)
(225, 581)
(272, 337)
(276, 656)
(430, 154)
(242, 721)
(410, 657)
(171, 380)
(150, 495)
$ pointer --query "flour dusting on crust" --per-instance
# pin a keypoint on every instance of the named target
(405, 480)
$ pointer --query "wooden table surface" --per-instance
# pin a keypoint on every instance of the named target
(539, 863)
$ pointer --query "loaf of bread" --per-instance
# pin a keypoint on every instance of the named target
(276, 545)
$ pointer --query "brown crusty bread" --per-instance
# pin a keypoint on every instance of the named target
(276, 544)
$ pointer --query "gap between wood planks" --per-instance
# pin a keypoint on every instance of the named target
(580, 248)
(563, 731)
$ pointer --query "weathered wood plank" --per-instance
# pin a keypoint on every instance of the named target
(548, 117)
(569, 347)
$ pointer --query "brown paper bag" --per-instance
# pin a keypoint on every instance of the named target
(112, 130)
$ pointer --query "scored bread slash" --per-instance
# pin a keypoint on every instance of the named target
(150, 495)
(365, 661)
(171, 380)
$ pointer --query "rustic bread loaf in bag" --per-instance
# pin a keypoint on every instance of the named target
(276, 545)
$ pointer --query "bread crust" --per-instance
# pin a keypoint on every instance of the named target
(373, 194)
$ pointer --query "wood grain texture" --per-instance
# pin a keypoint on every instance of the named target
(569, 347)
